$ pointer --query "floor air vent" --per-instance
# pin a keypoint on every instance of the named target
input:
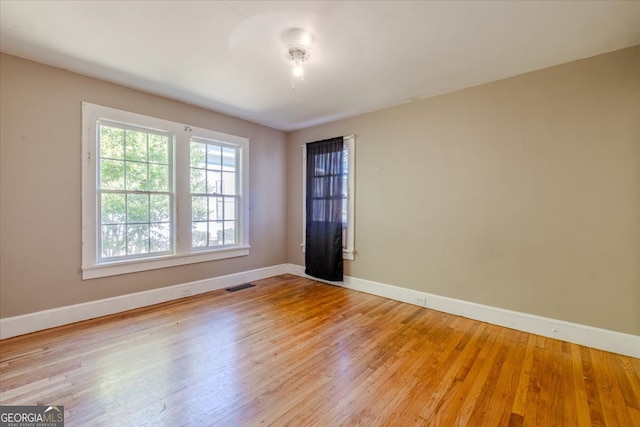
(240, 287)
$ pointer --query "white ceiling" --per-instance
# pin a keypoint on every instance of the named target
(368, 55)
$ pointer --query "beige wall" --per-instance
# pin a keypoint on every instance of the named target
(40, 213)
(522, 193)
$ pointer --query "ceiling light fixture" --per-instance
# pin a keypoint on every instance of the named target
(297, 52)
(298, 57)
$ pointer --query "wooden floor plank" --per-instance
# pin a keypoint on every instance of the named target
(567, 386)
(292, 351)
(520, 396)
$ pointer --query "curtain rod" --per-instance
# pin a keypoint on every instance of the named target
(345, 137)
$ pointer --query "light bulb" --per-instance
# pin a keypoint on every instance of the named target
(297, 65)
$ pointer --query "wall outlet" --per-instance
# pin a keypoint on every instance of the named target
(185, 292)
(422, 301)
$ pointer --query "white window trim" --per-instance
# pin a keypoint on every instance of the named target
(349, 252)
(182, 134)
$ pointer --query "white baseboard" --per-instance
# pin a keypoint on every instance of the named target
(603, 339)
(32, 322)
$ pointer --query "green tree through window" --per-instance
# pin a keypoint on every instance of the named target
(134, 191)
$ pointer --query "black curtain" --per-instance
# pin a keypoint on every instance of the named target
(323, 251)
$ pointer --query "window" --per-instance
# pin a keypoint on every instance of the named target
(214, 194)
(348, 198)
(158, 193)
(134, 197)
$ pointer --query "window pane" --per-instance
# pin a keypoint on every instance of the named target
(229, 208)
(113, 241)
(319, 189)
(198, 155)
(113, 208)
(198, 181)
(334, 184)
(326, 186)
(229, 232)
(199, 234)
(136, 176)
(345, 184)
(136, 146)
(214, 157)
(214, 182)
(160, 238)
(137, 208)
(199, 208)
(335, 208)
(111, 142)
(215, 208)
(158, 177)
(138, 239)
(111, 174)
(345, 160)
(159, 208)
(318, 213)
(158, 148)
(215, 233)
(229, 159)
(228, 183)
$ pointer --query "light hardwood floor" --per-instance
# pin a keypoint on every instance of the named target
(292, 351)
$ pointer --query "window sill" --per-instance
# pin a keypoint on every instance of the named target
(132, 266)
